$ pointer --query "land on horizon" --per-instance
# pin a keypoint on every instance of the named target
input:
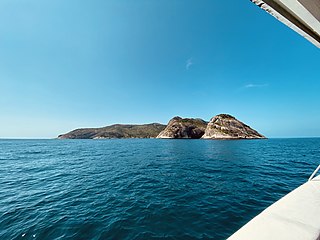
(222, 126)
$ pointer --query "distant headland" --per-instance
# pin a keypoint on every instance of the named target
(222, 126)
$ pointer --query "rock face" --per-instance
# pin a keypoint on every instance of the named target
(224, 126)
(116, 131)
(184, 128)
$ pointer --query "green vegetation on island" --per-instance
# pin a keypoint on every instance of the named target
(116, 131)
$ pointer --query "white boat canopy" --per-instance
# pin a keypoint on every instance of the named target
(303, 16)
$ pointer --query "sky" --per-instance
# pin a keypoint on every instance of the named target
(74, 64)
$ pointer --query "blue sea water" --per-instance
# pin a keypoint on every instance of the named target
(144, 188)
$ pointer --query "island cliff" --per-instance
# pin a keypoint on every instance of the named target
(184, 128)
(225, 126)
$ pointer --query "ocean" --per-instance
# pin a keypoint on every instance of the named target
(145, 188)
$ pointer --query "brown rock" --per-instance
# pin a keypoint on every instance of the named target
(184, 128)
(225, 126)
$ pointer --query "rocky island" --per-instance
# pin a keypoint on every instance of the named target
(225, 126)
(222, 126)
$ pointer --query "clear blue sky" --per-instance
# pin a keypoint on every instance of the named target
(70, 64)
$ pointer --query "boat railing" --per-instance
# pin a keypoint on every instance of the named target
(314, 173)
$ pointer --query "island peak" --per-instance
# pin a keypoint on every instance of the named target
(225, 126)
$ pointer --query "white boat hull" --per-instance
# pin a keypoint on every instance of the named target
(296, 216)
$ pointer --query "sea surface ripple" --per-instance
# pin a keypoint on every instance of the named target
(144, 188)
